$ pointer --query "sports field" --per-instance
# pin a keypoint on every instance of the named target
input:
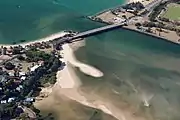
(173, 12)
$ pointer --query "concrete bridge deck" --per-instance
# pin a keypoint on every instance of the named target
(90, 32)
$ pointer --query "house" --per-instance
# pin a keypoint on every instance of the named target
(11, 73)
(118, 20)
(3, 78)
(34, 68)
(41, 62)
(22, 73)
(3, 101)
(29, 99)
(10, 100)
(19, 88)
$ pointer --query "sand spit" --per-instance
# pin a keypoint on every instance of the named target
(68, 86)
(66, 78)
(87, 69)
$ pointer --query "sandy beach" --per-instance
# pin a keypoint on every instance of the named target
(45, 39)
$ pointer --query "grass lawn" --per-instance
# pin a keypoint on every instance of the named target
(173, 12)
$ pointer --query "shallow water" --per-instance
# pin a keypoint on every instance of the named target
(139, 70)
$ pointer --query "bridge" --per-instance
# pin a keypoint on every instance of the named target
(89, 33)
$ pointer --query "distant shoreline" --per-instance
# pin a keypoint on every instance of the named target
(105, 10)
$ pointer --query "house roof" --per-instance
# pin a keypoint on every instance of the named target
(11, 99)
(29, 99)
(34, 68)
(3, 78)
(23, 78)
(22, 73)
(3, 101)
(11, 74)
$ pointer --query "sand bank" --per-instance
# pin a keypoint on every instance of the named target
(86, 69)
(66, 78)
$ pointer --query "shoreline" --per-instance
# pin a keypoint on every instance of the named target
(44, 39)
(108, 9)
(151, 35)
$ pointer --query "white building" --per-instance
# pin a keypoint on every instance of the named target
(34, 68)
(3, 101)
(10, 100)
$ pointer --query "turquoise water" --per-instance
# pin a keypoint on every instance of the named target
(30, 20)
(136, 66)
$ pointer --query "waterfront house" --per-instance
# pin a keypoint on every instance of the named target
(3, 101)
(32, 69)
